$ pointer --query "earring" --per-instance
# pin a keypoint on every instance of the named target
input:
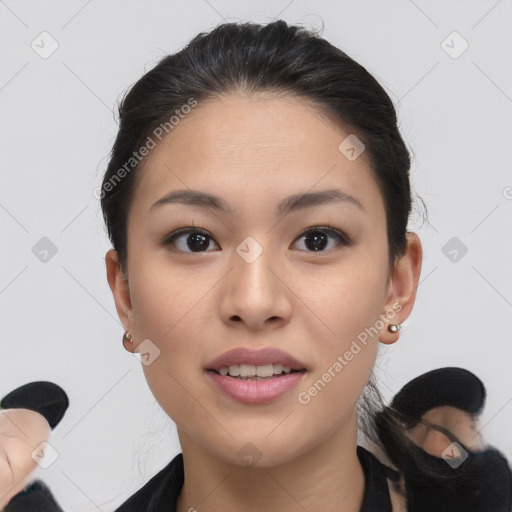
(394, 327)
(128, 336)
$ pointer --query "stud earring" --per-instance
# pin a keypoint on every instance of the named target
(128, 336)
(394, 327)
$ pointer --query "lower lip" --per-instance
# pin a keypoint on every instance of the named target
(256, 391)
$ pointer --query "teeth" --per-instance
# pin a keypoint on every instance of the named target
(248, 370)
(234, 371)
(278, 368)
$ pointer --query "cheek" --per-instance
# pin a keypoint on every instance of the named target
(162, 292)
(347, 305)
(170, 313)
(155, 296)
(175, 381)
(339, 378)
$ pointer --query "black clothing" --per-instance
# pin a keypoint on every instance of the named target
(37, 497)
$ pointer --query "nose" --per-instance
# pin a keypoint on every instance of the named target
(256, 293)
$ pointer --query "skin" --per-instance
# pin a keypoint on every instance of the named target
(253, 151)
(21, 431)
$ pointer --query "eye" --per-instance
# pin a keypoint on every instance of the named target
(199, 240)
(316, 238)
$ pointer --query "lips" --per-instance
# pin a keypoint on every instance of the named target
(261, 357)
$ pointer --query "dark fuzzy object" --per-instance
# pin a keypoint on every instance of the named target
(44, 397)
(37, 497)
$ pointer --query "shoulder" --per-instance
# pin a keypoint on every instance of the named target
(159, 492)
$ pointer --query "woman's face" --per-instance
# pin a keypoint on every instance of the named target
(256, 280)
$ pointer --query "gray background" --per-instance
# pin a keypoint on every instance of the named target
(58, 321)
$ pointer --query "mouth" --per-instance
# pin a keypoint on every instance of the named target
(244, 362)
(255, 376)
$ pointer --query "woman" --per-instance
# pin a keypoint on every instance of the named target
(257, 200)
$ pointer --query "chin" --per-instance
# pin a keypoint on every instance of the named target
(259, 452)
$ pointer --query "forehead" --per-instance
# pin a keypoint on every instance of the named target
(262, 145)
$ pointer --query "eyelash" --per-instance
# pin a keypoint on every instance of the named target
(344, 240)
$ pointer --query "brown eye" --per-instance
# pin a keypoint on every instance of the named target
(317, 239)
(196, 241)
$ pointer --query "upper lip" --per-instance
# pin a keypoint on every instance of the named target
(261, 357)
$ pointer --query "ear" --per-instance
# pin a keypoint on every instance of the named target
(402, 288)
(119, 286)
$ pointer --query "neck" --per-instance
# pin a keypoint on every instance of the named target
(318, 479)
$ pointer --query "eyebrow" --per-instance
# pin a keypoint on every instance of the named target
(289, 204)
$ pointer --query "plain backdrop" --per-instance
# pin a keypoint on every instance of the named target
(447, 67)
